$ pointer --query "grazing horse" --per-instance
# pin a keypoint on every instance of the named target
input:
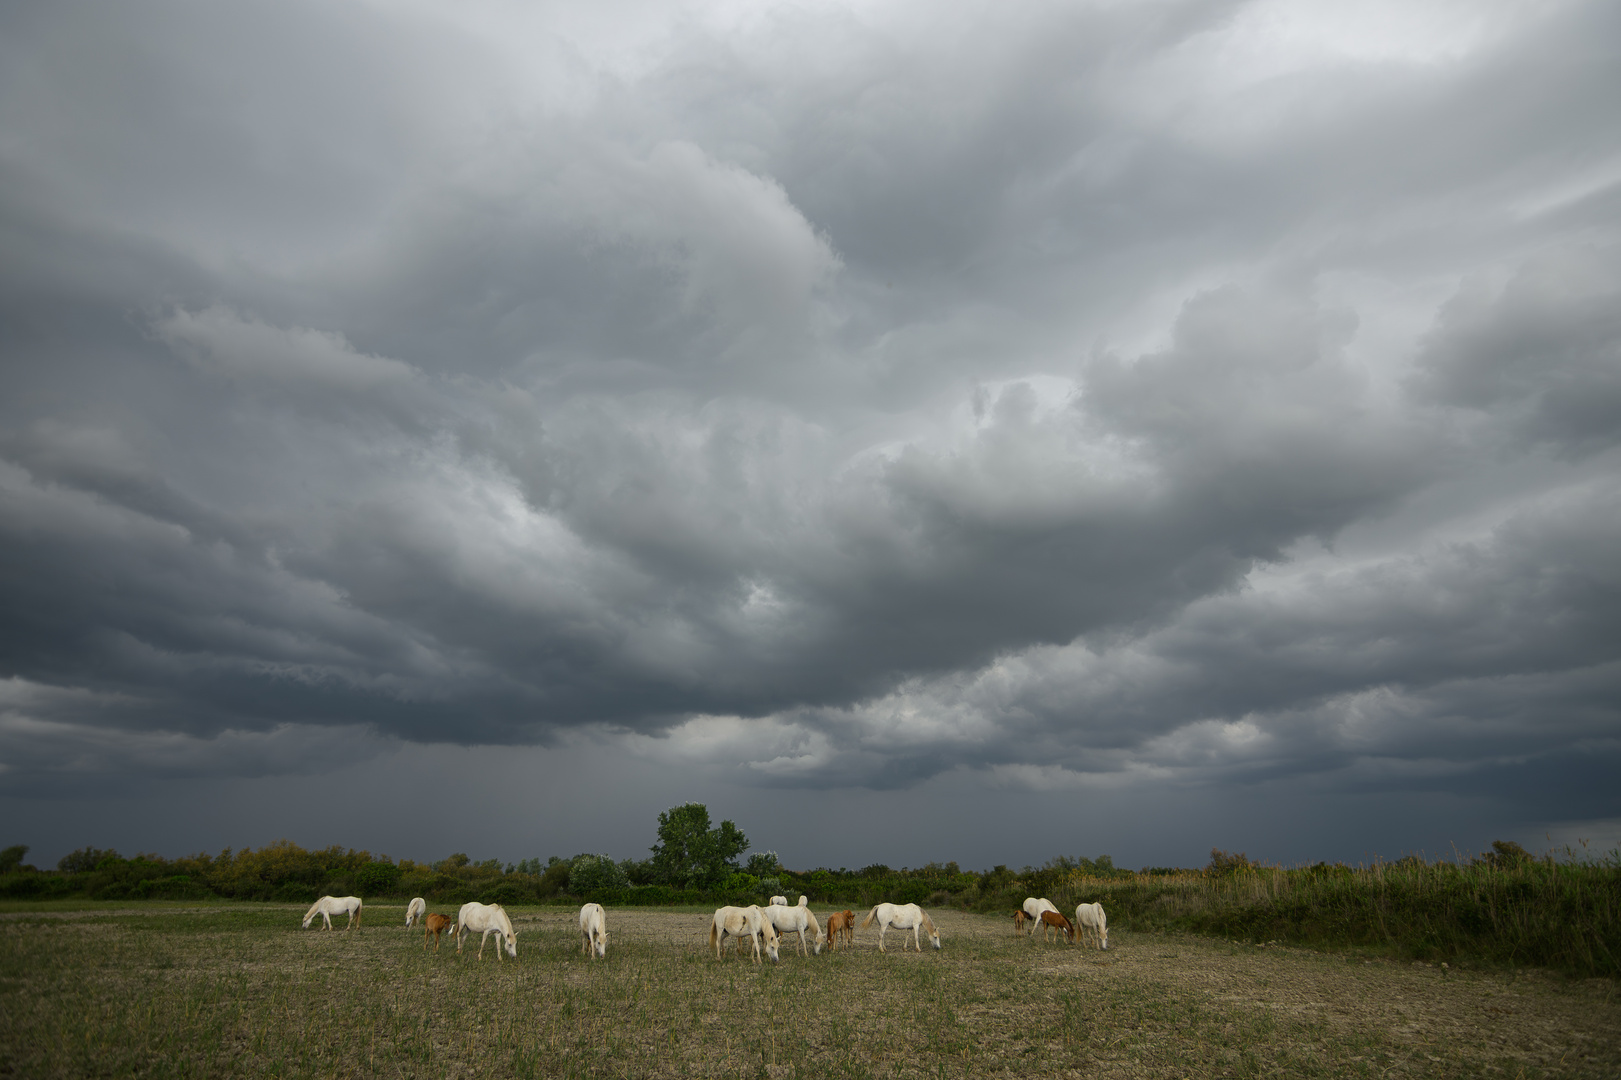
(1093, 923)
(1019, 919)
(328, 906)
(593, 930)
(433, 924)
(840, 924)
(1054, 920)
(788, 920)
(1033, 907)
(902, 917)
(415, 910)
(740, 922)
(484, 920)
(778, 901)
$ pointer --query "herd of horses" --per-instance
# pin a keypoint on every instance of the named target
(1090, 921)
(765, 927)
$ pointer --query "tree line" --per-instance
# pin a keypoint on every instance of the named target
(694, 861)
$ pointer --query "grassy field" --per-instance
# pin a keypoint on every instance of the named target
(156, 990)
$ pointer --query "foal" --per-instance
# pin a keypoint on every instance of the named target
(1055, 920)
(840, 923)
(433, 924)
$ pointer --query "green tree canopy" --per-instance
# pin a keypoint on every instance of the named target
(690, 854)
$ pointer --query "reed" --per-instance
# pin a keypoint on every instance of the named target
(1564, 915)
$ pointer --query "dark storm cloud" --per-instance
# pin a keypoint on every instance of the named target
(1171, 392)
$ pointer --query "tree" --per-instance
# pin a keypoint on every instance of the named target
(11, 858)
(689, 853)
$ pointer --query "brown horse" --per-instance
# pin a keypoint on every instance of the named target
(1055, 920)
(1019, 919)
(433, 924)
(840, 923)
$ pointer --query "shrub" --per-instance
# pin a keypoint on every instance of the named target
(84, 860)
(1227, 864)
(763, 864)
(35, 886)
(594, 873)
(1505, 854)
(377, 879)
(507, 892)
(178, 887)
(555, 879)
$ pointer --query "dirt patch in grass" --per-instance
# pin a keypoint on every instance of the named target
(245, 992)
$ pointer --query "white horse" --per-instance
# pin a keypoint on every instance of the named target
(778, 901)
(486, 919)
(1033, 907)
(328, 906)
(415, 910)
(789, 920)
(1091, 922)
(593, 930)
(742, 922)
(902, 917)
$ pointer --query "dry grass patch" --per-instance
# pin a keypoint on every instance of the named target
(242, 991)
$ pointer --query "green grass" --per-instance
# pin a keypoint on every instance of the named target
(238, 990)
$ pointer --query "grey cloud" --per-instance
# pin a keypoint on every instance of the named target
(1541, 355)
(838, 401)
(1469, 657)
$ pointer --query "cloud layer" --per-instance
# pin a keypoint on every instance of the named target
(1188, 395)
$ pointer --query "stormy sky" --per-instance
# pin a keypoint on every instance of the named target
(919, 433)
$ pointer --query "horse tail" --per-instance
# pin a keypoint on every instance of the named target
(871, 915)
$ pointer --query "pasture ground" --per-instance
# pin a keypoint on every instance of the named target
(156, 990)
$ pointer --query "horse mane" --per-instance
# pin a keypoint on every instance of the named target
(928, 923)
(314, 908)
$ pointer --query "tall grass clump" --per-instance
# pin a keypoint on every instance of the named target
(1503, 908)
